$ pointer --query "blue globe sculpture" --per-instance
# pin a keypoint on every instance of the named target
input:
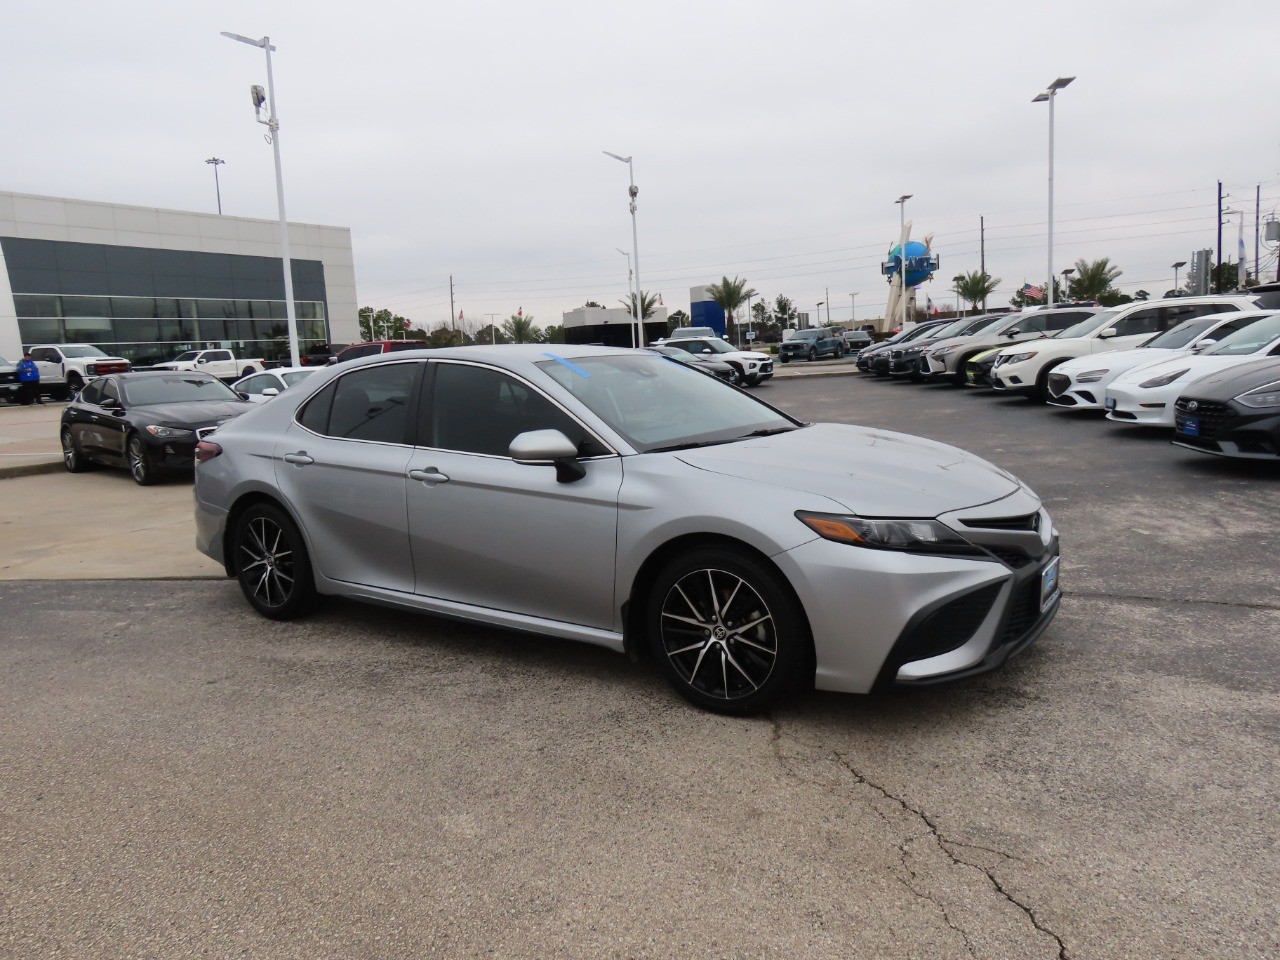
(920, 265)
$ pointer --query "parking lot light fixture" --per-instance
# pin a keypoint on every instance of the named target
(1050, 95)
(902, 252)
(1066, 276)
(216, 162)
(853, 310)
(632, 192)
(1176, 267)
(273, 124)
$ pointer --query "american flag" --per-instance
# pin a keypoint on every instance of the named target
(1032, 292)
(928, 303)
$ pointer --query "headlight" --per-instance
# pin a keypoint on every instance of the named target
(921, 536)
(1091, 376)
(1261, 399)
(169, 433)
(1164, 381)
(1019, 357)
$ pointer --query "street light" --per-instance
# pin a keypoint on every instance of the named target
(216, 163)
(749, 298)
(818, 311)
(632, 192)
(1176, 267)
(853, 311)
(1065, 275)
(902, 252)
(1050, 95)
(955, 288)
(273, 124)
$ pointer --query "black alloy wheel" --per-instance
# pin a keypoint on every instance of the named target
(813, 355)
(729, 636)
(72, 458)
(270, 560)
(735, 375)
(140, 466)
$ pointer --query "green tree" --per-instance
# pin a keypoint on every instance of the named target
(648, 301)
(1095, 280)
(975, 286)
(520, 329)
(553, 334)
(676, 318)
(490, 333)
(729, 295)
(785, 314)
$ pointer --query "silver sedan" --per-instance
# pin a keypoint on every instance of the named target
(614, 497)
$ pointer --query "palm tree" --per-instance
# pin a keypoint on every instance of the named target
(729, 295)
(974, 287)
(520, 329)
(1092, 280)
(648, 301)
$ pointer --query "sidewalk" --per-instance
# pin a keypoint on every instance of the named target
(29, 442)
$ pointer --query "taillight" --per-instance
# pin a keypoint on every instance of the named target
(207, 450)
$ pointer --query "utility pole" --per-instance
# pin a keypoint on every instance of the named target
(827, 291)
(982, 254)
(1257, 215)
(1217, 270)
(453, 316)
(493, 328)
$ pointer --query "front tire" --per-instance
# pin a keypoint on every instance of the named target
(727, 631)
(270, 559)
(813, 355)
(140, 466)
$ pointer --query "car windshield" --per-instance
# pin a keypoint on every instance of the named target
(1182, 334)
(294, 376)
(805, 335)
(1089, 325)
(946, 330)
(983, 323)
(145, 391)
(719, 346)
(1249, 340)
(186, 357)
(657, 405)
(82, 352)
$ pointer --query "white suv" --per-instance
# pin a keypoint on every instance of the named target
(753, 368)
(1026, 367)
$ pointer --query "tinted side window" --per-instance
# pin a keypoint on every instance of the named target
(256, 385)
(92, 393)
(110, 389)
(1204, 309)
(1231, 327)
(373, 403)
(1140, 321)
(1032, 324)
(44, 353)
(478, 410)
(315, 414)
(1060, 321)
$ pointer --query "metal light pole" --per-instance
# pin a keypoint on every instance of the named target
(853, 311)
(1176, 267)
(493, 328)
(817, 311)
(1050, 95)
(1065, 275)
(902, 252)
(216, 163)
(273, 124)
(632, 192)
(628, 256)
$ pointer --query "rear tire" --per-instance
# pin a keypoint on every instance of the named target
(726, 630)
(270, 560)
(72, 458)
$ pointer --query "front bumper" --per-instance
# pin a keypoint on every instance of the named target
(1228, 430)
(1014, 377)
(1065, 392)
(1152, 407)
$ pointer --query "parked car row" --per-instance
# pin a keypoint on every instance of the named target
(1208, 367)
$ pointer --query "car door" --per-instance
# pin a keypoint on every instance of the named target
(1132, 329)
(49, 362)
(342, 467)
(491, 532)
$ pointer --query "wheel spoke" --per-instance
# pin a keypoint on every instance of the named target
(679, 619)
(698, 665)
(737, 666)
(692, 646)
(755, 646)
(738, 631)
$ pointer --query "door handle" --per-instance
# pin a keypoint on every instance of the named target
(301, 459)
(429, 475)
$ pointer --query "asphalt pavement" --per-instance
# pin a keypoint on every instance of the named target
(182, 778)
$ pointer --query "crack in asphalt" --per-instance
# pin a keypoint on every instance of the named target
(1183, 600)
(942, 842)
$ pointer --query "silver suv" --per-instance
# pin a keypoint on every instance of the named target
(947, 359)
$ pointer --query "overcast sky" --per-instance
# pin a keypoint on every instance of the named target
(770, 139)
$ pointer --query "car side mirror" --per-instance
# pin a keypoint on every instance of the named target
(1203, 345)
(534, 446)
(271, 392)
(1107, 334)
(109, 403)
(202, 360)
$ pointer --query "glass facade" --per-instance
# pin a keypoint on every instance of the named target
(149, 305)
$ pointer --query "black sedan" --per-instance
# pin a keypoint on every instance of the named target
(146, 422)
(1232, 413)
(702, 361)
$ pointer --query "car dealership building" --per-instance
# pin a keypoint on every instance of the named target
(147, 284)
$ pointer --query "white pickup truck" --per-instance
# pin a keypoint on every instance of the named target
(223, 364)
(66, 367)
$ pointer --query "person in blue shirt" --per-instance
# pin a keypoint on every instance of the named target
(29, 380)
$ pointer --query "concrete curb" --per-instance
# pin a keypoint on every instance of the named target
(31, 469)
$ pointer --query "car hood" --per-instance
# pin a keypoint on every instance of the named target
(1195, 365)
(1120, 360)
(196, 413)
(1227, 384)
(874, 473)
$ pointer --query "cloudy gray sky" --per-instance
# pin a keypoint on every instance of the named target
(770, 139)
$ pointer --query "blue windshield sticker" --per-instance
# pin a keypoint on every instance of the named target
(572, 366)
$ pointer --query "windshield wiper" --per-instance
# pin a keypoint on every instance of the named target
(769, 432)
(691, 445)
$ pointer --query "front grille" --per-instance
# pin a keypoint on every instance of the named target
(948, 627)
(8, 378)
(1211, 415)
(1058, 382)
(1030, 521)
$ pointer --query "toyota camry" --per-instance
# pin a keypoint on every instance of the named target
(622, 499)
